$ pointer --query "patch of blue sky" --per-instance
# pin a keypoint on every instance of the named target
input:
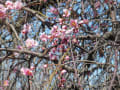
(100, 59)
(78, 0)
(8, 37)
(87, 9)
(104, 16)
(106, 6)
(109, 28)
(112, 59)
(100, 10)
(36, 24)
(118, 17)
(118, 1)
(76, 6)
(90, 23)
(49, 14)
(62, 4)
(47, 30)
(79, 11)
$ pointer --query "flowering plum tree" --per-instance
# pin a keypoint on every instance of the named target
(59, 45)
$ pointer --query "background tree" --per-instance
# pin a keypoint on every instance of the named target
(59, 44)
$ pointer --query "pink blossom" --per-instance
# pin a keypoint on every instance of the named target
(66, 13)
(53, 50)
(26, 71)
(63, 72)
(32, 67)
(64, 27)
(20, 47)
(60, 85)
(15, 69)
(63, 80)
(26, 29)
(31, 43)
(45, 65)
(24, 32)
(9, 5)
(73, 23)
(60, 21)
(52, 57)
(16, 54)
(18, 5)
(75, 40)
(54, 29)
(6, 83)
(2, 11)
(85, 21)
(44, 37)
(54, 10)
(67, 58)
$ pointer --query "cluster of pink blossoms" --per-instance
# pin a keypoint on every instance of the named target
(54, 10)
(6, 83)
(26, 29)
(31, 43)
(66, 13)
(2, 11)
(16, 5)
(8, 6)
(27, 71)
(62, 34)
(44, 37)
(62, 79)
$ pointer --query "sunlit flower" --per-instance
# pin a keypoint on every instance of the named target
(67, 58)
(32, 67)
(9, 5)
(53, 50)
(75, 40)
(20, 47)
(26, 71)
(45, 65)
(63, 80)
(66, 13)
(44, 37)
(6, 83)
(24, 32)
(31, 43)
(52, 57)
(73, 23)
(54, 10)
(26, 28)
(2, 11)
(63, 72)
(64, 27)
(85, 21)
(18, 5)
(60, 21)
(54, 29)
(16, 54)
